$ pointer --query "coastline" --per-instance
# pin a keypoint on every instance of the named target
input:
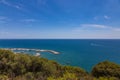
(29, 50)
(73, 52)
(29, 67)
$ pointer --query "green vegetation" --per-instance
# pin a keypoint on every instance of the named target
(28, 67)
(106, 69)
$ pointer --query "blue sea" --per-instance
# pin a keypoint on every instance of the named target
(84, 53)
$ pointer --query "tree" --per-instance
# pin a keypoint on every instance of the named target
(106, 69)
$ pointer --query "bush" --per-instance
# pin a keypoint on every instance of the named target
(76, 70)
(28, 67)
(106, 69)
(23, 66)
(3, 77)
(66, 76)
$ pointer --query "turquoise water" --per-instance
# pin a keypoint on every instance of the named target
(84, 53)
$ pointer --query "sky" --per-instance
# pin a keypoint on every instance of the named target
(59, 19)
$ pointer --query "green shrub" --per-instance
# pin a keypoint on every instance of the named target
(3, 77)
(106, 69)
(28, 67)
(66, 76)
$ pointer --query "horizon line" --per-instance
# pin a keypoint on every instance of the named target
(58, 38)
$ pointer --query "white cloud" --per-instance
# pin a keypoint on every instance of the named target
(94, 27)
(28, 20)
(18, 7)
(3, 19)
(95, 18)
(5, 2)
(96, 31)
(106, 17)
(2, 33)
(116, 29)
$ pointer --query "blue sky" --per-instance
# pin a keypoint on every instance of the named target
(47, 19)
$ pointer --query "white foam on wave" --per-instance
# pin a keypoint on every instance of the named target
(34, 50)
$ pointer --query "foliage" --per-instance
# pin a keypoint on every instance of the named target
(28, 67)
(106, 78)
(66, 76)
(106, 69)
(3, 77)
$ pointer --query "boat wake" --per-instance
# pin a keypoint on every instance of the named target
(93, 44)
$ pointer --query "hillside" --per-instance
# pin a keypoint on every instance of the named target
(28, 67)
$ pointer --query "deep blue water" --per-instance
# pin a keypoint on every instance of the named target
(84, 53)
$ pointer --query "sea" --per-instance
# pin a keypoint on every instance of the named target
(84, 53)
